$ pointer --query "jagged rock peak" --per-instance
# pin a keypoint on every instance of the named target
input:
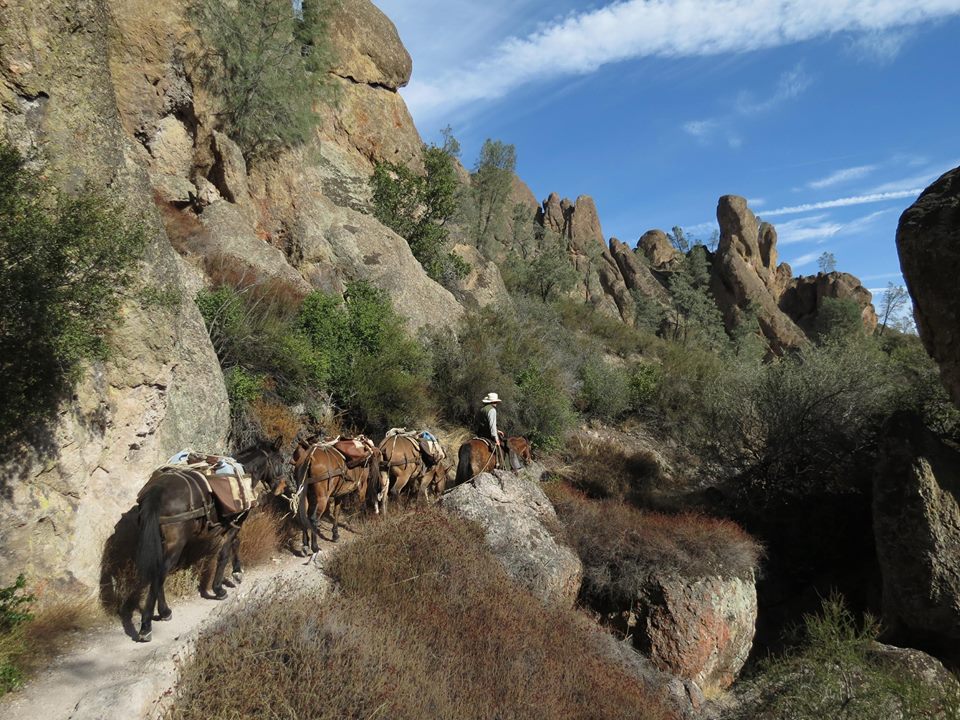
(578, 221)
(367, 47)
(656, 247)
(928, 241)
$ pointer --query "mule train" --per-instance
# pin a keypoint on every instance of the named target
(198, 497)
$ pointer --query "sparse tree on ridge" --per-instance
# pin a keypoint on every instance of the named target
(827, 262)
(894, 301)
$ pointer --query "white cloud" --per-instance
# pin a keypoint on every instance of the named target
(756, 202)
(791, 84)
(881, 46)
(700, 129)
(842, 176)
(844, 202)
(583, 42)
(815, 227)
(805, 259)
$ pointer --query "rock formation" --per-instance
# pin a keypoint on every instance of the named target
(483, 285)
(162, 390)
(655, 246)
(636, 273)
(928, 240)
(578, 222)
(516, 516)
(916, 515)
(746, 277)
(109, 92)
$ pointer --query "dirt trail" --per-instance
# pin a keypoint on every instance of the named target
(108, 676)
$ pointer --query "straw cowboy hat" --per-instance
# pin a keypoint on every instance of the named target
(491, 398)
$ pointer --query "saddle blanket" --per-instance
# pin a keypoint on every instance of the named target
(230, 486)
(429, 445)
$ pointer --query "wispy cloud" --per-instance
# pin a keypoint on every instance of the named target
(583, 42)
(820, 228)
(842, 176)
(844, 202)
(881, 47)
(805, 259)
(700, 129)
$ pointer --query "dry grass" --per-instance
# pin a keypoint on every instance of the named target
(427, 625)
(604, 470)
(261, 537)
(277, 419)
(622, 548)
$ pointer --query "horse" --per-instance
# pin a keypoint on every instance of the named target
(169, 522)
(322, 478)
(477, 456)
(403, 465)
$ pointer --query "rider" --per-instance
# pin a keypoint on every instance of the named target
(487, 420)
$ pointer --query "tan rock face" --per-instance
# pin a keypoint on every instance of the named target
(483, 286)
(602, 283)
(803, 297)
(700, 629)
(656, 247)
(928, 241)
(514, 514)
(367, 47)
(162, 389)
(916, 517)
(636, 274)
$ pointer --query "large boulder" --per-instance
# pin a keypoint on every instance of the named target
(916, 515)
(636, 273)
(656, 247)
(928, 240)
(803, 297)
(162, 389)
(517, 519)
(700, 629)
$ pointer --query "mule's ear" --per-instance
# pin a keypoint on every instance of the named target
(278, 443)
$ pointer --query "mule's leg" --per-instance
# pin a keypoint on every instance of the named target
(335, 513)
(237, 569)
(174, 543)
(226, 547)
(322, 500)
(146, 617)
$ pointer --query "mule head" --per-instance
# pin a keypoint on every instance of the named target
(266, 463)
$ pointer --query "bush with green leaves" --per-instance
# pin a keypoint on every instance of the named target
(694, 315)
(268, 65)
(604, 389)
(418, 208)
(838, 318)
(490, 184)
(840, 672)
(15, 604)
(539, 265)
(66, 262)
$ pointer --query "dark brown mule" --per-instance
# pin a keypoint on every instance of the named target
(477, 456)
(322, 479)
(522, 448)
(403, 466)
(163, 536)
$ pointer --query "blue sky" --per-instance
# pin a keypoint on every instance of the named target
(829, 115)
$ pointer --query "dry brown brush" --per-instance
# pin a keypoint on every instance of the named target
(426, 625)
(622, 548)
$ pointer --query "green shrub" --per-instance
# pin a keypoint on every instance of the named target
(267, 66)
(839, 672)
(838, 319)
(65, 263)
(418, 209)
(604, 390)
(644, 381)
(15, 605)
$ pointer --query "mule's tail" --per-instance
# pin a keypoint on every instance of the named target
(463, 463)
(150, 547)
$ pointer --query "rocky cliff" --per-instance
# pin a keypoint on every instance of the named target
(928, 240)
(106, 92)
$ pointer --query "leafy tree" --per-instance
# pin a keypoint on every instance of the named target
(539, 265)
(267, 64)
(694, 313)
(895, 299)
(648, 314)
(838, 318)
(491, 181)
(418, 209)
(827, 262)
(65, 263)
(678, 238)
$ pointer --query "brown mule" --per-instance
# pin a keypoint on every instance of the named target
(477, 456)
(323, 477)
(173, 512)
(402, 465)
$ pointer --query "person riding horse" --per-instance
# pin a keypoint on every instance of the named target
(487, 422)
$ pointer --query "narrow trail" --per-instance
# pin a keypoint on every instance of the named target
(105, 675)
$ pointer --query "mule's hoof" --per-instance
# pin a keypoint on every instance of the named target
(306, 551)
(238, 577)
(219, 593)
(144, 637)
(165, 615)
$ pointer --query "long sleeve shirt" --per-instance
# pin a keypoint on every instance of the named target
(491, 412)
